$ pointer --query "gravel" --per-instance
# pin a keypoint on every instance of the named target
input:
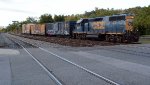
(70, 42)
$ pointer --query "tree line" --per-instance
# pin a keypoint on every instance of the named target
(141, 21)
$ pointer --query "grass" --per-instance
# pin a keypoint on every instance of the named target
(145, 36)
(144, 41)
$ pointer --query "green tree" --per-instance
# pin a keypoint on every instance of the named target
(30, 20)
(142, 20)
(46, 18)
(59, 18)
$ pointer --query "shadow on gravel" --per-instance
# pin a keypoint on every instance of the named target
(2, 46)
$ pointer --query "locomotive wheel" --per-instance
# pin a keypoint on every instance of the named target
(136, 39)
(77, 36)
(119, 39)
(129, 40)
(101, 37)
(114, 39)
(123, 39)
(81, 36)
(107, 38)
(84, 36)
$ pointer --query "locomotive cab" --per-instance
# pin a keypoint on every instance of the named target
(81, 25)
(130, 31)
(129, 23)
(80, 30)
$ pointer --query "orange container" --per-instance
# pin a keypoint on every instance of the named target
(26, 28)
(38, 29)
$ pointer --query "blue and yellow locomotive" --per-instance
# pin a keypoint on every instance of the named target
(116, 28)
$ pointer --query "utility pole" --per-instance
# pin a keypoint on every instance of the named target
(16, 25)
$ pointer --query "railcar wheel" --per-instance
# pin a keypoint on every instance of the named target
(84, 36)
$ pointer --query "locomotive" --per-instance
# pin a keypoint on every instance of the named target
(116, 28)
(110, 28)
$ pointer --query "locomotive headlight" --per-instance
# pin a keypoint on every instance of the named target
(132, 17)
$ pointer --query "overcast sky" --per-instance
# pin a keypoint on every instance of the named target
(19, 10)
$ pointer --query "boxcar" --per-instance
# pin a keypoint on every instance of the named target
(38, 29)
(50, 29)
(23, 28)
(69, 27)
(26, 28)
(60, 28)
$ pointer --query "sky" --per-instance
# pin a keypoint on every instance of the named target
(19, 10)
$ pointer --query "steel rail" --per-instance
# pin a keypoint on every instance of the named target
(45, 69)
(81, 67)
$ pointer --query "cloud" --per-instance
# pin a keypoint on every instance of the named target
(16, 10)
(6, 1)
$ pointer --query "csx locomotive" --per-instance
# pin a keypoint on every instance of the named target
(116, 28)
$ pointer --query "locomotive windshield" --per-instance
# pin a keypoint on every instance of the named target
(117, 18)
(98, 19)
(121, 18)
(112, 18)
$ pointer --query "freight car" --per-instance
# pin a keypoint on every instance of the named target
(50, 29)
(34, 29)
(37, 29)
(26, 28)
(60, 28)
(116, 28)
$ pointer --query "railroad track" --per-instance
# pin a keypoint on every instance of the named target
(57, 81)
(50, 74)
